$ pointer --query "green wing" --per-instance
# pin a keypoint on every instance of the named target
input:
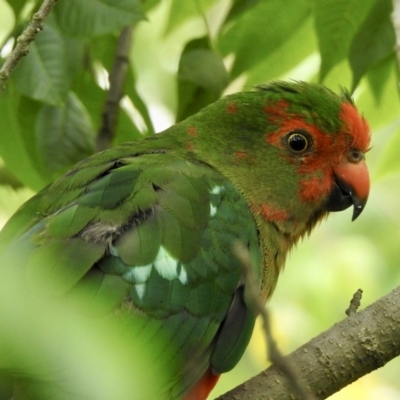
(152, 234)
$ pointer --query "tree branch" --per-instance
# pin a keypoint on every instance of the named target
(352, 348)
(27, 36)
(117, 79)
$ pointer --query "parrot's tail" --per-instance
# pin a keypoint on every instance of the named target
(203, 387)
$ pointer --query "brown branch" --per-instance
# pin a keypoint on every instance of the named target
(23, 41)
(117, 80)
(352, 348)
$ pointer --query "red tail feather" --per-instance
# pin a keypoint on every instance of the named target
(203, 387)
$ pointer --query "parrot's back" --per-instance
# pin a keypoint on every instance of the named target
(153, 235)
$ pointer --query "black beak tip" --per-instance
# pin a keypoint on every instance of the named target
(358, 207)
(342, 197)
(356, 212)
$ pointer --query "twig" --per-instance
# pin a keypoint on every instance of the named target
(355, 303)
(350, 349)
(27, 36)
(117, 79)
(274, 355)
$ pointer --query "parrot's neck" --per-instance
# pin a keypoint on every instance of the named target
(274, 202)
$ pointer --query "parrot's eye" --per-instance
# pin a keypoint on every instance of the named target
(356, 156)
(298, 141)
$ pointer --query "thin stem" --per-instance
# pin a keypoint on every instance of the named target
(115, 93)
(21, 49)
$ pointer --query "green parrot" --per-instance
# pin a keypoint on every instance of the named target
(152, 224)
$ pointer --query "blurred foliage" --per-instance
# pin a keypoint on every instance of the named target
(51, 346)
(185, 55)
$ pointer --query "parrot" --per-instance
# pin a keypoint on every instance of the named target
(153, 223)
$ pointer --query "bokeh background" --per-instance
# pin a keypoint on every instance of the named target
(254, 41)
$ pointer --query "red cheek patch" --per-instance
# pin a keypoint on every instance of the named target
(315, 188)
(270, 213)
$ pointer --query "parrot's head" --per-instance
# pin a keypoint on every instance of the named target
(295, 150)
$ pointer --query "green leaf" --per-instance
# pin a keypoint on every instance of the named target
(201, 77)
(286, 57)
(339, 75)
(6, 386)
(374, 40)
(103, 49)
(45, 74)
(181, 11)
(27, 113)
(379, 74)
(336, 22)
(238, 8)
(64, 135)
(96, 17)
(7, 178)
(8, 26)
(100, 49)
(389, 160)
(74, 53)
(201, 66)
(90, 94)
(126, 130)
(149, 4)
(134, 96)
(17, 6)
(260, 31)
(383, 113)
(104, 345)
(13, 148)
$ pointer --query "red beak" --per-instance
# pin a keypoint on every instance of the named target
(351, 188)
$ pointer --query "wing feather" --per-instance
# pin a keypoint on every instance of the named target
(152, 236)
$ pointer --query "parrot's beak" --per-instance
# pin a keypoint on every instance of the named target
(351, 187)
